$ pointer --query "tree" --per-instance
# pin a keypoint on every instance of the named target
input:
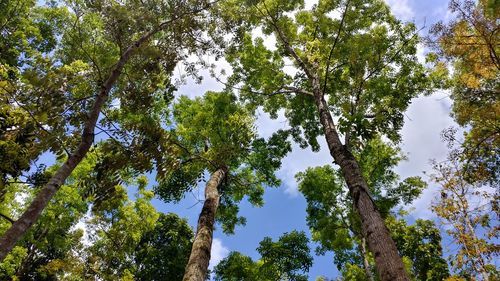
(48, 248)
(164, 251)
(132, 241)
(215, 134)
(336, 226)
(472, 217)
(28, 32)
(284, 259)
(420, 243)
(365, 72)
(124, 238)
(470, 42)
(134, 25)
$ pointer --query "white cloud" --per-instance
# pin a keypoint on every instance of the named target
(299, 160)
(218, 253)
(296, 161)
(308, 4)
(421, 134)
(401, 9)
(421, 52)
(83, 225)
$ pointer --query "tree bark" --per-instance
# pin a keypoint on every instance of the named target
(389, 264)
(480, 264)
(19, 228)
(366, 264)
(197, 267)
(29, 217)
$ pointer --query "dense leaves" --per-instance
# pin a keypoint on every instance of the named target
(335, 226)
(216, 132)
(100, 78)
(367, 67)
(284, 259)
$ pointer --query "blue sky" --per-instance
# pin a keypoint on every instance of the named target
(284, 208)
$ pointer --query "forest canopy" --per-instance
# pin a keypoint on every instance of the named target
(249, 140)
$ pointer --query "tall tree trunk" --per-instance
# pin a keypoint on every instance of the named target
(389, 264)
(366, 265)
(197, 267)
(19, 228)
(29, 217)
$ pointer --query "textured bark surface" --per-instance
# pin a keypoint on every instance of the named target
(389, 264)
(29, 217)
(19, 227)
(197, 267)
(366, 264)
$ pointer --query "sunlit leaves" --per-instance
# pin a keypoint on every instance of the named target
(285, 259)
(213, 132)
(372, 68)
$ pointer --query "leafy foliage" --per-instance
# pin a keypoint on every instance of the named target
(164, 251)
(470, 43)
(284, 259)
(367, 69)
(213, 132)
(336, 227)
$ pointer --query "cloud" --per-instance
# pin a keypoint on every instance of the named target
(296, 161)
(401, 9)
(83, 225)
(426, 118)
(219, 252)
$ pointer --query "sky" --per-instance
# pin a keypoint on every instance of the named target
(284, 208)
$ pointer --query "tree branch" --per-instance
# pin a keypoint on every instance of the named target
(335, 44)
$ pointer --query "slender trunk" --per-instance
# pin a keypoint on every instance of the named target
(29, 217)
(368, 271)
(197, 267)
(480, 261)
(19, 228)
(389, 264)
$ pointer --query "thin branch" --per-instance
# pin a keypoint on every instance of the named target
(335, 44)
(287, 45)
(282, 90)
(7, 218)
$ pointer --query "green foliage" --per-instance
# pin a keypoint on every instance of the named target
(236, 267)
(420, 243)
(213, 132)
(370, 58)
(118, 229)
(284, 259)
(353, 272)
(164, 251)
(287, 257)
(28, 33)
(50, 241)
(56, 56)
(336, 227)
